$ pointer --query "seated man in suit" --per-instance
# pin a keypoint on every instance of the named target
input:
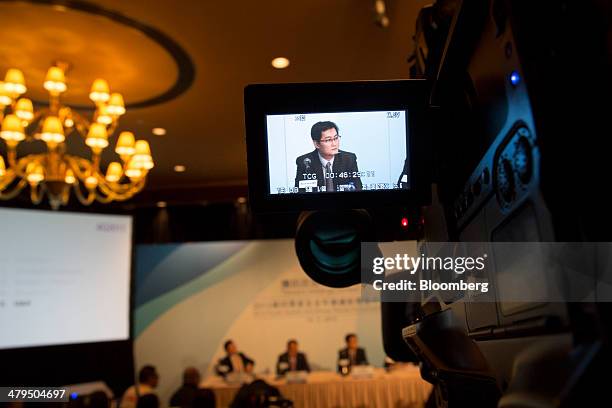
(292, 360)
(351, 355)
(327, 167)
(234, 361)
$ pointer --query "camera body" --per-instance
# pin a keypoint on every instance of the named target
(505, 82)
(505, 149)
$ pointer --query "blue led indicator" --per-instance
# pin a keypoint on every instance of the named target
(74, 395)
(515, 78)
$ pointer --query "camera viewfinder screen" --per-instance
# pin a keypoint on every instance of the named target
(317, 153)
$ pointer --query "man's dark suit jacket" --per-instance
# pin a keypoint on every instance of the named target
(226, 361)
(301, 363)
(360, 357)
(343, 162)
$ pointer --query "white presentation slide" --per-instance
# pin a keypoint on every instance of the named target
(369, 153)
(64, 278)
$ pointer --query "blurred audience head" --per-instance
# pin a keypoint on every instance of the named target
(191, 376)
(351, 340)
(204, 398)
(292, 346)
(257, 394)
(148, 375)
(98, 399)
(230, 347)
(148, 401)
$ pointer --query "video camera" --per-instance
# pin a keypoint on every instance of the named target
(499, 138)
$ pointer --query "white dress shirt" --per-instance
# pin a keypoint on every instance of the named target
(325, 161)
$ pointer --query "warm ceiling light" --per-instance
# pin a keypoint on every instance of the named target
(280, 62)
(55, 81)
(24, 109)
(380, 11)
(97, 138)
(133, 170)
(162, 204)
(103, 116)
(69, 177)
(35, 173)
(158, 131)
(142, 155)
(179, 168)
(114, 172)
(115, 106)
(5, 97)
(91, 182)
(52, 131)
(2, 167)
(12, 129)
(125, 144)
(99, 91)
(14, 82)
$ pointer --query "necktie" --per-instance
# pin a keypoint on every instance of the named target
(329, 182)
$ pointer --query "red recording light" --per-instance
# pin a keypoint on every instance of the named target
(404, 222)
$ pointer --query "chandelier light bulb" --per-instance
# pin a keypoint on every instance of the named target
(91, 182)
(142, 150)
(69, 177)
(5, 97)
(116, 106)
(97, 136)
(99, 91)
(133, 171)
(103, 116)
(55, 81)
(12, 129)
(35, 173)
(24, 109)
(125, 144)
(14, 82)
(142, 155)
(114, 172)
(52, 131)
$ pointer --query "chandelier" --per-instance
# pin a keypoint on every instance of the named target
(55, 173)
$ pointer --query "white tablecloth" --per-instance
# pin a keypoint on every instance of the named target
(401, 388)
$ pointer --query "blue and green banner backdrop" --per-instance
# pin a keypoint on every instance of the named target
(190, 298)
